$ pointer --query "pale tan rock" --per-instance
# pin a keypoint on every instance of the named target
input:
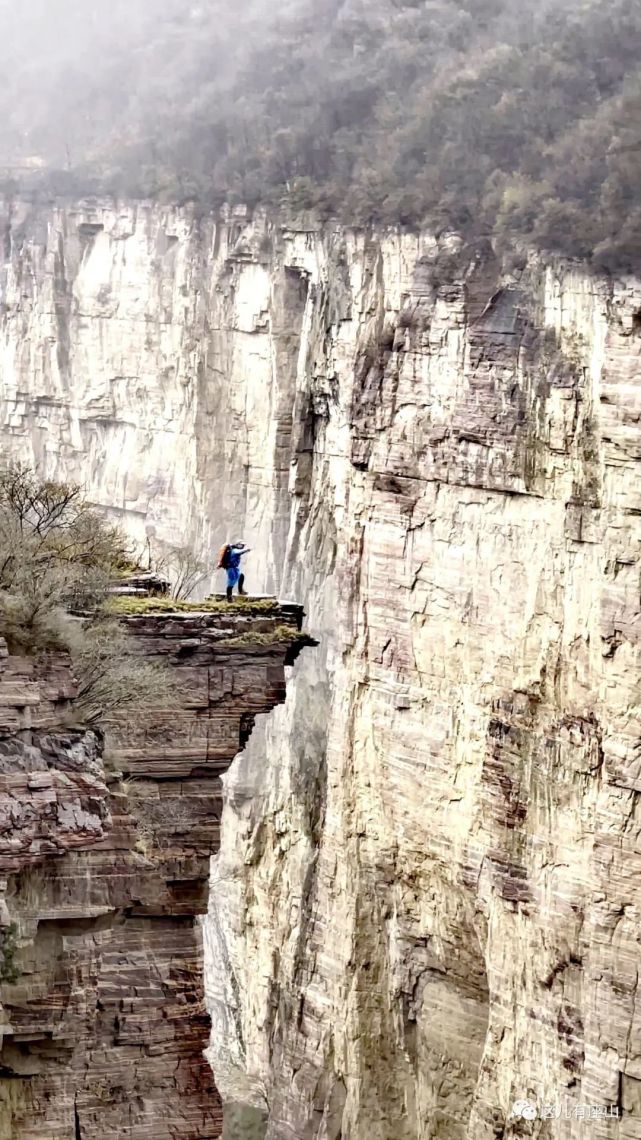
(427, 901)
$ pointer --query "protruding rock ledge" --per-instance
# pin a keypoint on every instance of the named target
(106, 853)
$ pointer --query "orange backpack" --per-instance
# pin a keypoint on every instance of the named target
(223, 557)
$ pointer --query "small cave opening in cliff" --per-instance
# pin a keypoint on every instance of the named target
(87, 231)
(636, 323)
(247, 722)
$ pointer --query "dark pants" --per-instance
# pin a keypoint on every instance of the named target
(241, 587)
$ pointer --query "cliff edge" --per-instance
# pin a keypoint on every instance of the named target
(104, 851)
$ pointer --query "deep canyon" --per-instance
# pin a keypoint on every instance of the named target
(426, 901)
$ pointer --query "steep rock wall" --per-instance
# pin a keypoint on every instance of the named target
(426, 903)
(105, 853)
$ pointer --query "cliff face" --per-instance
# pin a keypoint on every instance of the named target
(426, 903)
(106, 862)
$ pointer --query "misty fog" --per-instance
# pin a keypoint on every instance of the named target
(498, 118)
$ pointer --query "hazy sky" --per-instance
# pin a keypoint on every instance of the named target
(71, 67)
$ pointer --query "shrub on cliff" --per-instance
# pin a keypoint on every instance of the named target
(114, 681)
(9, 970)
(184, 570)
(56, 553)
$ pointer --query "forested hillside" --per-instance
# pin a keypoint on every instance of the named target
(513, 119)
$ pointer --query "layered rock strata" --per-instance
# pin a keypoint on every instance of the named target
(426, 905)
(104, 852)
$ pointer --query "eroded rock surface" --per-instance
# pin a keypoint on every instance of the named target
(427, 902)
(105, 857)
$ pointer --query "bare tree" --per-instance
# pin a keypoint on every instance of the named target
(181, 566)
(112, 679)
(56, 552)
(49, 534)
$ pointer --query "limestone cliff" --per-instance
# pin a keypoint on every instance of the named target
(105, 849)
(426, 903)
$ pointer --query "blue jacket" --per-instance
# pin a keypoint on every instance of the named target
(235, 555)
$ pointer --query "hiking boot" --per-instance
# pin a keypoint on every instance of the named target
(229, 594)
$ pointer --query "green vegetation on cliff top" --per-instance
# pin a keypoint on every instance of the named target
(131, 606)
(516, 121)
(244, 607)
(280, 633)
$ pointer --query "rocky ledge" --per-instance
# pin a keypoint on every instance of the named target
(104, 851)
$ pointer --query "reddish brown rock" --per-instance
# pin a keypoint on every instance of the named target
(105, 852)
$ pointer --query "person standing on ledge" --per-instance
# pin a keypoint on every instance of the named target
(229, 560)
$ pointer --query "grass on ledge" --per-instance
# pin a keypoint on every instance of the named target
(279, 633)
(129, 607)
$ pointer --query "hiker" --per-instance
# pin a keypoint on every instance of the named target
(229, 560)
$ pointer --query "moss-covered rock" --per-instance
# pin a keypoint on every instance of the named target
(126, 606)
